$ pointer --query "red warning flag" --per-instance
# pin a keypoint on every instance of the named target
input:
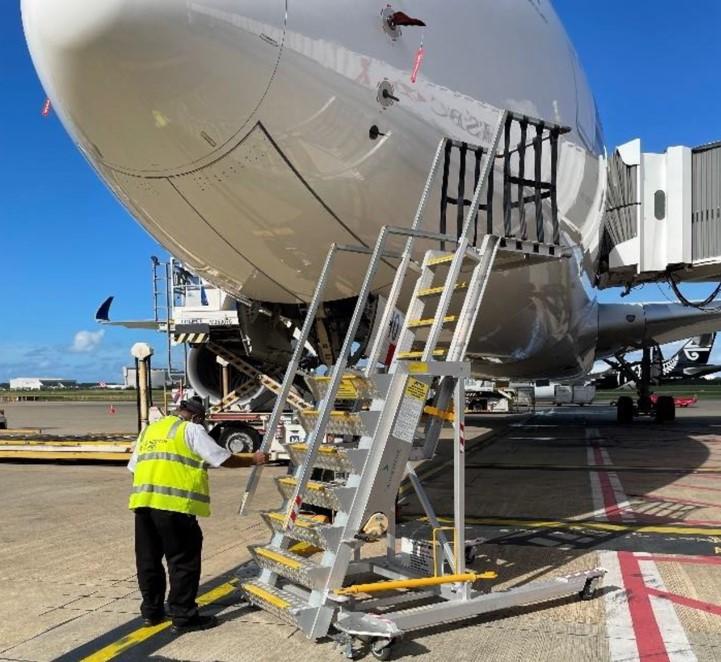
(46, 108)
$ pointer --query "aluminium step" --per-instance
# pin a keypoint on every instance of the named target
(296, 568)
(428, 322)
(356, 424)
(284, 605)
(353, 386)
(330, 457)
(333, 496)
(436, 291)
(305, 529)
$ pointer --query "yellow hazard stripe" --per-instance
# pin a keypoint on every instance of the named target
(432, 291)
(418, 355)
(266, 596)
(278, 558)
(318, 487)
(143, 633)
(442, 259)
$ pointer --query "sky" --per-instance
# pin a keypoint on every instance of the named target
(66, 243)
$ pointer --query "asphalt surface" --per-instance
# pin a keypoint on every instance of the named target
(564, 491)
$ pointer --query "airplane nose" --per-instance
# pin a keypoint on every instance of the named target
(154, 86)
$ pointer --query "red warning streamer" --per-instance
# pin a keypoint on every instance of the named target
(420, 53)
(47, 107)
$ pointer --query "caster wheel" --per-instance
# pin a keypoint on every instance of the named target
(589, 590)
(471, 554)
(381, 649)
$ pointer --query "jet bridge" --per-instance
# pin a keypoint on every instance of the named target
(663, 216)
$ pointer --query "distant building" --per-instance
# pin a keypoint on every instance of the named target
(157, 377)
(37, 383)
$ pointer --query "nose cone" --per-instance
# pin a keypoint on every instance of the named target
(154, 86)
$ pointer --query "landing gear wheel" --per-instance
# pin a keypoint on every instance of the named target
(624, 410)
(381, 649)
(665, 409)
(240, 439)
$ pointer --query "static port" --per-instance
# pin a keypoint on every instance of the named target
(374, 132)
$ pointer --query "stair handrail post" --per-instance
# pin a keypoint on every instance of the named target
(290, 374)
(399, 278)
(326, 404)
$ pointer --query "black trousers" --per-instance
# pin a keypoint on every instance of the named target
(178, 538)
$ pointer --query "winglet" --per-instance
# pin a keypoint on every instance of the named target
(103, 313)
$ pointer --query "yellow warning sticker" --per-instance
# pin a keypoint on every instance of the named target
(417, 367)
(416, 389)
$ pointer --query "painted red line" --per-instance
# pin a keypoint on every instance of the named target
(687, 602)
(684, 502)
(695, 487)
(672, 558)
(648, 636)
(610, 505)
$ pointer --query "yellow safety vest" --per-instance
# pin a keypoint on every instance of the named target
(168, 475)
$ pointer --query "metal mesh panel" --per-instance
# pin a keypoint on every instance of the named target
(706, 202)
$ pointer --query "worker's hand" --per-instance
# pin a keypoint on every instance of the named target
(260, 458)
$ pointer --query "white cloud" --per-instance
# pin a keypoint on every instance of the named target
(87, 341)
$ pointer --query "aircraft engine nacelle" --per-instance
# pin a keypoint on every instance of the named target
(205, 376)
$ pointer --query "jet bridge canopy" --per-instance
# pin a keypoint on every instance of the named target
(663, 216)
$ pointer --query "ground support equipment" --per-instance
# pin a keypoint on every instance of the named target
(386, 421)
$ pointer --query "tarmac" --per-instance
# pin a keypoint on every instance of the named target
(561, 491)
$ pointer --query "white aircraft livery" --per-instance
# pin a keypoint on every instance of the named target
(247, 135)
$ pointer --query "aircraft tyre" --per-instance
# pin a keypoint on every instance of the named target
(624, 410)
(665, 409)
(240, 438)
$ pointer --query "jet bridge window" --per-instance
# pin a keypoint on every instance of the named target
(659, 205)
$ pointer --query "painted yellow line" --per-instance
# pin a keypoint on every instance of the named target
(144, 633)
(65, 455)
(588, 524)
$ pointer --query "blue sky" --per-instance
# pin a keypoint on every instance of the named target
(67, 244)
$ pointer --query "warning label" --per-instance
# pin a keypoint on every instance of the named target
(409, 413)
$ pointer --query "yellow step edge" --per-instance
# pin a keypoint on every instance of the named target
(432, 291)
(442, 259)
(328, 450)
(418, 355)
(318, 487)
(266, 596)
(415, 324)
(336, 414)
(277, 557)
(302, 522)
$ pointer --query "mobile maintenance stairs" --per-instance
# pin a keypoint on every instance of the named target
(310, 568)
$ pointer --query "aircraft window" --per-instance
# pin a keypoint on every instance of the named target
(659, 205)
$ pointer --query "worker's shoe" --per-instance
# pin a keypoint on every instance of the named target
(152, 621)
(198, 622)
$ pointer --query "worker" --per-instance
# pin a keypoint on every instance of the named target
(170, 489)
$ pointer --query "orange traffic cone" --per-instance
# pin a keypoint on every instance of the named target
(111, 410)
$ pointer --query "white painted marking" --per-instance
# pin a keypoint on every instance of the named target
(672, 632)
(619, 627)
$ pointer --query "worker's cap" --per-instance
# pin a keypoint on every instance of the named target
(194, 405)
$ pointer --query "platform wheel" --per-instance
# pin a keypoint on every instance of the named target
(589, 589)
(665, 409)
(382, 649)
(624, 409)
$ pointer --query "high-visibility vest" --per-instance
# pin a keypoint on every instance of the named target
(168, 475)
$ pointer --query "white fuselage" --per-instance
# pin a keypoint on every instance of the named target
(237, 133)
